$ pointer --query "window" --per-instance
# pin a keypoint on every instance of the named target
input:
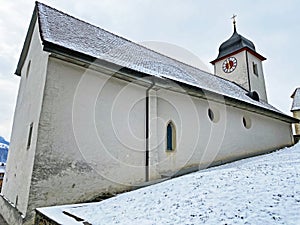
(214, 115)
(255, 70)
(247, 122)
(211, 115)
(28, 68)
(171, 137)
(29, 136)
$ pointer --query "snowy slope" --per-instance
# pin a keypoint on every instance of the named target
(259, 190)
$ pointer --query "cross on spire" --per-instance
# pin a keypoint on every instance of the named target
(234, 21)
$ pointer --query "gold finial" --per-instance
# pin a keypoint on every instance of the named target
(234, 22)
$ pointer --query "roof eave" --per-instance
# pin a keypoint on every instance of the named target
(54, 48)
(26, 44)
(295, 109)
(251, 107)
(262, 58)
(293, 95)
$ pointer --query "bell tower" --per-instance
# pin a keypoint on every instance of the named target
(239, 62)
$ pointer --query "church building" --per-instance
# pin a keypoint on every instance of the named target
(98, 114)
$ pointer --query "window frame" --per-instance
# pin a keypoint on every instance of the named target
(255, 68)
(170, 137)
(30, 132)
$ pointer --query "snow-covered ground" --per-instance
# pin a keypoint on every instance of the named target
(258, 190)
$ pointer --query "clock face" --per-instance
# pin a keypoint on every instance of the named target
(229, 65)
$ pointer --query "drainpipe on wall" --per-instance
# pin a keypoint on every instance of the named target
(148, 131)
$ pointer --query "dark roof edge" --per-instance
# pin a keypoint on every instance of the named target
(257, 109)
(293, 95)
(26, 44)
(277, 115)
(294, 110)
(238, 51)
(53, 48)
(79, 56)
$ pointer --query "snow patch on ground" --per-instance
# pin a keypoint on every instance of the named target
(258, 190)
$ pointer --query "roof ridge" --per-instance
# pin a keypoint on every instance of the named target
(132, 42)
(90, 24)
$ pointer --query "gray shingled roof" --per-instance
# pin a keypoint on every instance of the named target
(68, 32)
(234, 43)
(296, 100)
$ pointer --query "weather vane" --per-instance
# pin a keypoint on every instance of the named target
(234, 21)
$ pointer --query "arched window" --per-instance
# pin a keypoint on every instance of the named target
(171, 137)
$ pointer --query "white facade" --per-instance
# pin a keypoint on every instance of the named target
(17, 179)
(89, 132)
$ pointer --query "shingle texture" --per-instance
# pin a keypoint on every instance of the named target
(66, 31)
(296, 100)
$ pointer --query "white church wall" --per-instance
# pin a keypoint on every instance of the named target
(20, 159)
(262, 134)
(239, 75)
(202, 142)
(257, 82)
(91, 136)
(181, 110)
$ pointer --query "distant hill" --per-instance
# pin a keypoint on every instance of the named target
(4, 146)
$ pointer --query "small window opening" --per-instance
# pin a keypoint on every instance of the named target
(247, 122)
(29, 136)
(28, 68)
(214, 115)
(211, 115)
(171, 137)
(255, 69)
(16, 204)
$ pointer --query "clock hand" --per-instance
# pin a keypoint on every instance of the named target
(228, 63)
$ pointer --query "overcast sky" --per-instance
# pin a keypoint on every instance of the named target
(194, 25)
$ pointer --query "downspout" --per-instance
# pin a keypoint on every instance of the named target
(148, 131)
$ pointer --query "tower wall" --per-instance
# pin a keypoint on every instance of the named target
(248, 73)
(257, 80)
(239, 75)
(296, 114)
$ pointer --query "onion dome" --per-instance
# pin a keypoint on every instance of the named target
(234, 44)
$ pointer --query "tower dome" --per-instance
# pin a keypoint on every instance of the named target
(234, 43)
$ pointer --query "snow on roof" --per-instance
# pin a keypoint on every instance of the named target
(296, 100)
(66, 31)
(256, 190)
